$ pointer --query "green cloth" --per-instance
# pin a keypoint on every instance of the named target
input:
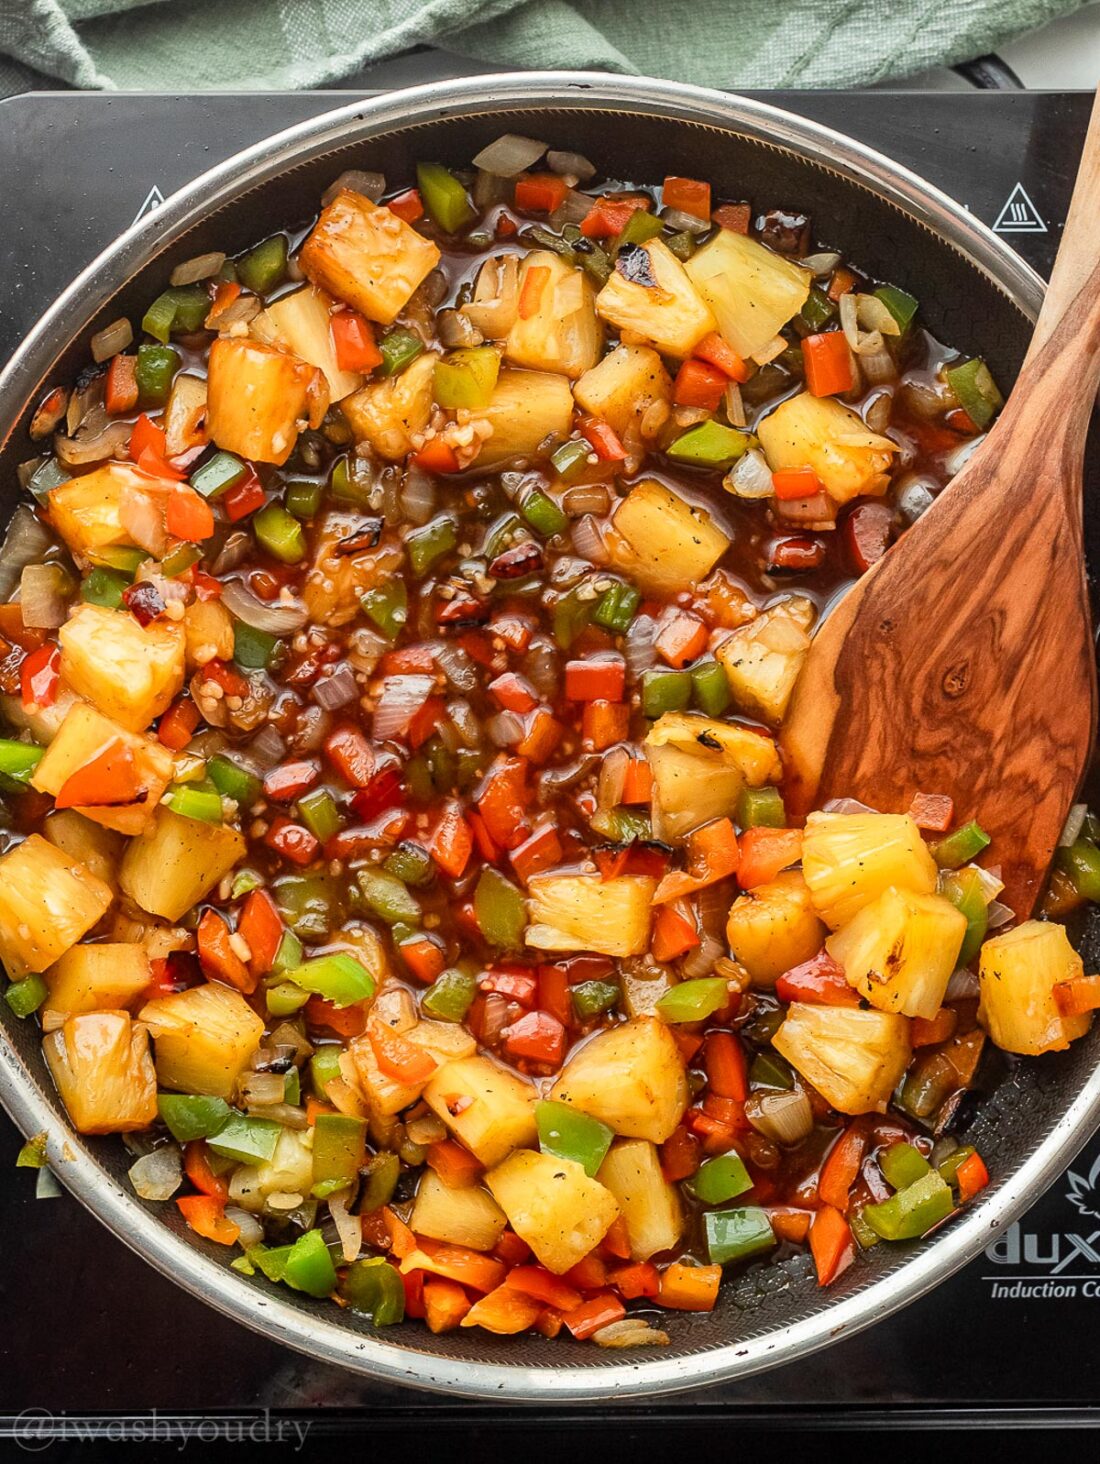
(199, 45)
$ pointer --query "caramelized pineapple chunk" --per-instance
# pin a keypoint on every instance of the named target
(553, 1205)
(487, 1108)
(823, 434)
(763, 658)
(259, 399)
(773, 928)
(47, 902)
(101, 1065)
(86, 734)
(630, 1077)
(469, 1217)
(663, 542)
(649, 1205)
(1018, 971)
(208, 633)
(753, 292)
(130, 672)
(95, 978)
(203, 1037)
(175, 861)
(445, 1041)
(301, 324)
(900, 950)
(582, 912)
(184, 420)
(650, 295)
(526, 408)
(562, 332)
(85, 511)
(623, 386)
(336, 583)
(853, 1058)
(700, 767)
(90, 844)
(849, 859)
(387, 414)
(367, 256)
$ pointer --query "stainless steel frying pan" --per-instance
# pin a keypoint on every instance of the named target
(973, 290)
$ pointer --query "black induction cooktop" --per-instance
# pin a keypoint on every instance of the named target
(88, 1329)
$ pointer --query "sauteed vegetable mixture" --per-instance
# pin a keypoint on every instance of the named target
(394, 640)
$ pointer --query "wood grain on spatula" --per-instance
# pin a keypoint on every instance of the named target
(963, 661)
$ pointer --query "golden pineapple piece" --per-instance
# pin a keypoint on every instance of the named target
(623, 386)
(653, 297)
(336, 583)
(853, 1058)
(95, 978)
(553, 1205)
(260, 398)
(130, 672)
(301, 324)
(48, 900)
(700, 767)
(184, 420)
(649, 1205)
(469, 1216)
(763, 658)
(207, 632)
(1018, 971)
(488, 1109)
(753, 292)
(85, 511)
(90, 844)
(175, 861)
(774, 927)
(289, 1171)
(823, 434)
(445, 1041)
(156, 937)
(630, 1077)
(563, 332)
(367, 256)
(526, 408)
(387, 414)
(663, 542)
(849, 859)
(900, 950)
(583, 912)
(203, 1038)
(100, 1063)
(84, 735)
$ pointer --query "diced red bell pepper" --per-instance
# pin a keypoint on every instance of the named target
(243, 498)
(424, 957)
(408, 205)
(689, 195)
(218, 958)
(349, 752)
(262, 928)
(828, 362)
(537, 1036)
(535, 280)
(344, 1021)
(699, 384)
(206, 1217)
(177, 726)
(554, 995)
(353, 342)
(796, 483)
(540, 850)
(437, 456)
(503, 799)
(798, 554)
(121, 388)
(290, 780)
(682, 638)
(40, 676)
(517, 983)
(604, 723)
(674, 931)
(398, 1059)
(292, 841)
(109, 780)
(513, 692)
(591, 1316)
(831, 1243)
(718, 352)
(540, 192)
(610, 216)
(737, 217)
(196, 1165)
(147, 436)
(603, 438)
(971, 1176)
(640, 1278)
(765, 852)
(452, 843)
(842, 1165)
(600, 678)
(819, 981)
(727, 1069)
(932, 811)
(188, 516)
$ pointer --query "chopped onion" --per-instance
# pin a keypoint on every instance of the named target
(260, 1089)
(95, 440)
(49, 414)
(849, 321)
(251, 1228)
(587, 538)
(349, 1227)
(785, 1117)
(589, 498)
(354, 180)
(999, 914)
(267, 748)
(286, 1114)
(541, 667)
(750, 477)
(820, 265)
(684, 223)
(609, 790)
(142, 516)
(157, 1176)
(875, 360)
(111, 339)
(639, 650)
(276, 619)
(505, 729)
(417, 495)
(775, 347)
(465, 723)
(202, 267)
(629, 1332)
(509, 155)
(337, 690)
(455, 329)
(242, 310)
(700, 961)
(735, 405)
(847, 805)
(401, 699)
(553, 780)
(232, 554)
(42, 599)
(874, 315)
(877, 411)
(959, 456)
(573, 209)
(457, 667)
(570, 165)
(962, 986)
(1073, 825)
(496, 296)
(365, 649)
(26, 541)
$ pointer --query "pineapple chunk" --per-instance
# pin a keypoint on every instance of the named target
(469, 1217)
(630, 1077)
(184, 419)
(85, 511)
(174, 862)
(849, 859)
(643, 984)
(289, 1171)
(662, 541)
(84, 734)
(90, 844)
(130, 672)
(752, 291)
(649, 1205)
(563, 333)
(900, 950)
(526, 408)
(823, 434)
(1018, 972)
(336, 583)
(94, 978)
(207, 632)
(700, 767)
(853, 1058)
(300, 323)
(763, 658)
(47, 902)
(553, 1205)
(260, 398)
(204, 1038)
(155, 937)
(445, 1041)
(654, 298)
(582, 912)
(489, 1110)
(387, 414)
(773, 928)
(367, 256)
(621, 388)
(101, 1065)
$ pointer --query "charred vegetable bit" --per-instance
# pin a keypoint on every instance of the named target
(393, 831)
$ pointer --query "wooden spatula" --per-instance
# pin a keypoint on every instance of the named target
(963, 661)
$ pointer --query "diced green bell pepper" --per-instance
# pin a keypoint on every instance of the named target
(590, 998)
(289, 955)
(104, 587)
(692, 1001)
(324, 1066)
(639, 228)
(975, 391)
(444, 197)
(735, 1235)
(303, 499)
(26, 996)
(570, 615)
(710, 688)
(721, 1179)
(373, 1288)
(121, 558)
(411, 864)
(284, 999)
(192, 1115)
(247, 1140)
(617, 607)
(543, 514)
(466, 378)
(388, 607)
(683, 244)
(501, 911)
(913, 1210)
(262, 268)
(270, 1261)
(339, 978)
(949, 1167)
(254, 649)
(347, 487)
(308, 905)
(902, 1165)
(156, 366)
(622, 825)
(389, 897)
(665, 691)
(339, 1147)
(817, 311)
(18, 760)
(567, 1133)
(398, 349)
(244, 882)
(761, 808)
(569, 459)
(179, 310)
(279, 533)
(450, 995)
(380, 1177)
(309, 1266)
(180, 559)
(292, 1087)
(901, 305)
(768, 1070)
(319, 813)
(432, 542)
(961, 846)
(864, 1235)
(233, 781)
(200, 801)
(710, 445)
(964, 888)
(1081, 861)
(46, 477)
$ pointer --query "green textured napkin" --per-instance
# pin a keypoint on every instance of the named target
(201, 45)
